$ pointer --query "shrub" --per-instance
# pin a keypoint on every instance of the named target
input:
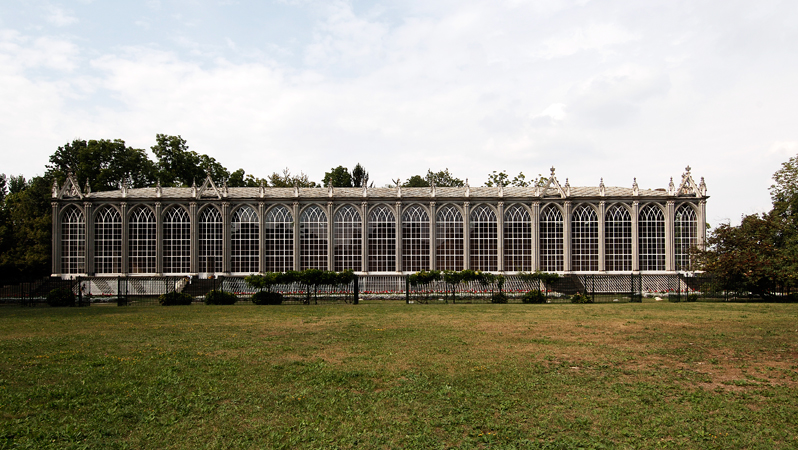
(220, 298)
(61, 297)
(534, 297)
(175, 298)
(691, 298)
(581, 298)
(498, 298)
(674, 299)
(267, 298)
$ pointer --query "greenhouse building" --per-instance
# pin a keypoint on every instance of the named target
(213, 230)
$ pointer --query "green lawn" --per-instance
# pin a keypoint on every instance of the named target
(391, 375)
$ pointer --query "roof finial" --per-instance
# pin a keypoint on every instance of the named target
(552, 170)
(635, 188)
(687, 169)
(602, 189)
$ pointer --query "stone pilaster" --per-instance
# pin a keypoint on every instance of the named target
(566, 237)
(670, 213)
(364, 236)
(89, 258)
(158, 238)
(701, 224)
(500, 236)
(56, 234)
(194, 234)
(635, 236)
(398, 212)
(226, 235)
(330, 236)
(433, 245)
(602, 251)
(125, 238)
(295, 212)
(466, 235)
(535, 236)
(261, 237)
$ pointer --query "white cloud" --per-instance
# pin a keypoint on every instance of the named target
(59, 16)
(786, 149)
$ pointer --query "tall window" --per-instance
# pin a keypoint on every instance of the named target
(210, 240)
(73, 241)
(651, 230)
(618, 239)
(584, 239)
(279, 240)
(415, 239)
(483, 248)
(685, 235)
(108, 241)
(348, 239)
(449, 239)
(244, 241)
(551, 239)
(313, 239)
(176, 241)
(141, 240)
(382, 240)
(517, 239)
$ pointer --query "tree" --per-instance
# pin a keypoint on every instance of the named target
(443, 179)
(285, 179)
(239, 179)
(105, 164)
(178, 166)
(338, 177)
(360, 177)
(416, 181)
(25, 229)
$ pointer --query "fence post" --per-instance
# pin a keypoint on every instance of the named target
(356, 288)
(407, 289)
(593, 287)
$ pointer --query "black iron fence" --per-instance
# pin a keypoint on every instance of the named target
(595, 288)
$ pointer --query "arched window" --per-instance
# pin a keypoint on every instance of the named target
(141, 241)
(617, 239)
(313, 239)
(551, 239)
(244, 241)
(651, 231)
(108, 241)
(517, 239)
(584, 239)
(415, 239)
(176, 241)
(73, 241)
(685, 236)
(483, 236)
(382, 240)
(449, 239)
(348, 239)
(279, 240)
(210, 240)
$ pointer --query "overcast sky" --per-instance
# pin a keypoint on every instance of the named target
(612, 89)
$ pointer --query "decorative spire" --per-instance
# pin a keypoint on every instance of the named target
(224, 188)
(365, 190)
(635, 188)
(124, 188)
(602, 189)
(702, 187)
(432, 188)
(398, 187)
(261, 189)
(55, 188)
(158, 190)
(687, 169)
(552, 171)
(567, 188)
(87, 189)
(296, 189)
(330, 191)
(194, 188)
(501, 189)
(671, 187)
(467, 189)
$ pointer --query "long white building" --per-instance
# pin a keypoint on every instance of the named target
(216, 230)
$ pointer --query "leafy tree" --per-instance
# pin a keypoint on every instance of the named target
(443, 179)
(285, 179)
(239, 179)
(105, 164)
(3, 186)
(360, 177)
(416, 181)
(25, 229)
(338, 177)
(502, 179)
(178, 166)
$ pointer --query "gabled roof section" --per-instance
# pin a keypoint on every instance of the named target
(70, 188)
(552, 187)
(208, 189)
(688, 187)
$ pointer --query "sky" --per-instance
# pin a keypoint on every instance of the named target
(614, 89)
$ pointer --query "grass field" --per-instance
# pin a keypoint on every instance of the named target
(391, 375)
